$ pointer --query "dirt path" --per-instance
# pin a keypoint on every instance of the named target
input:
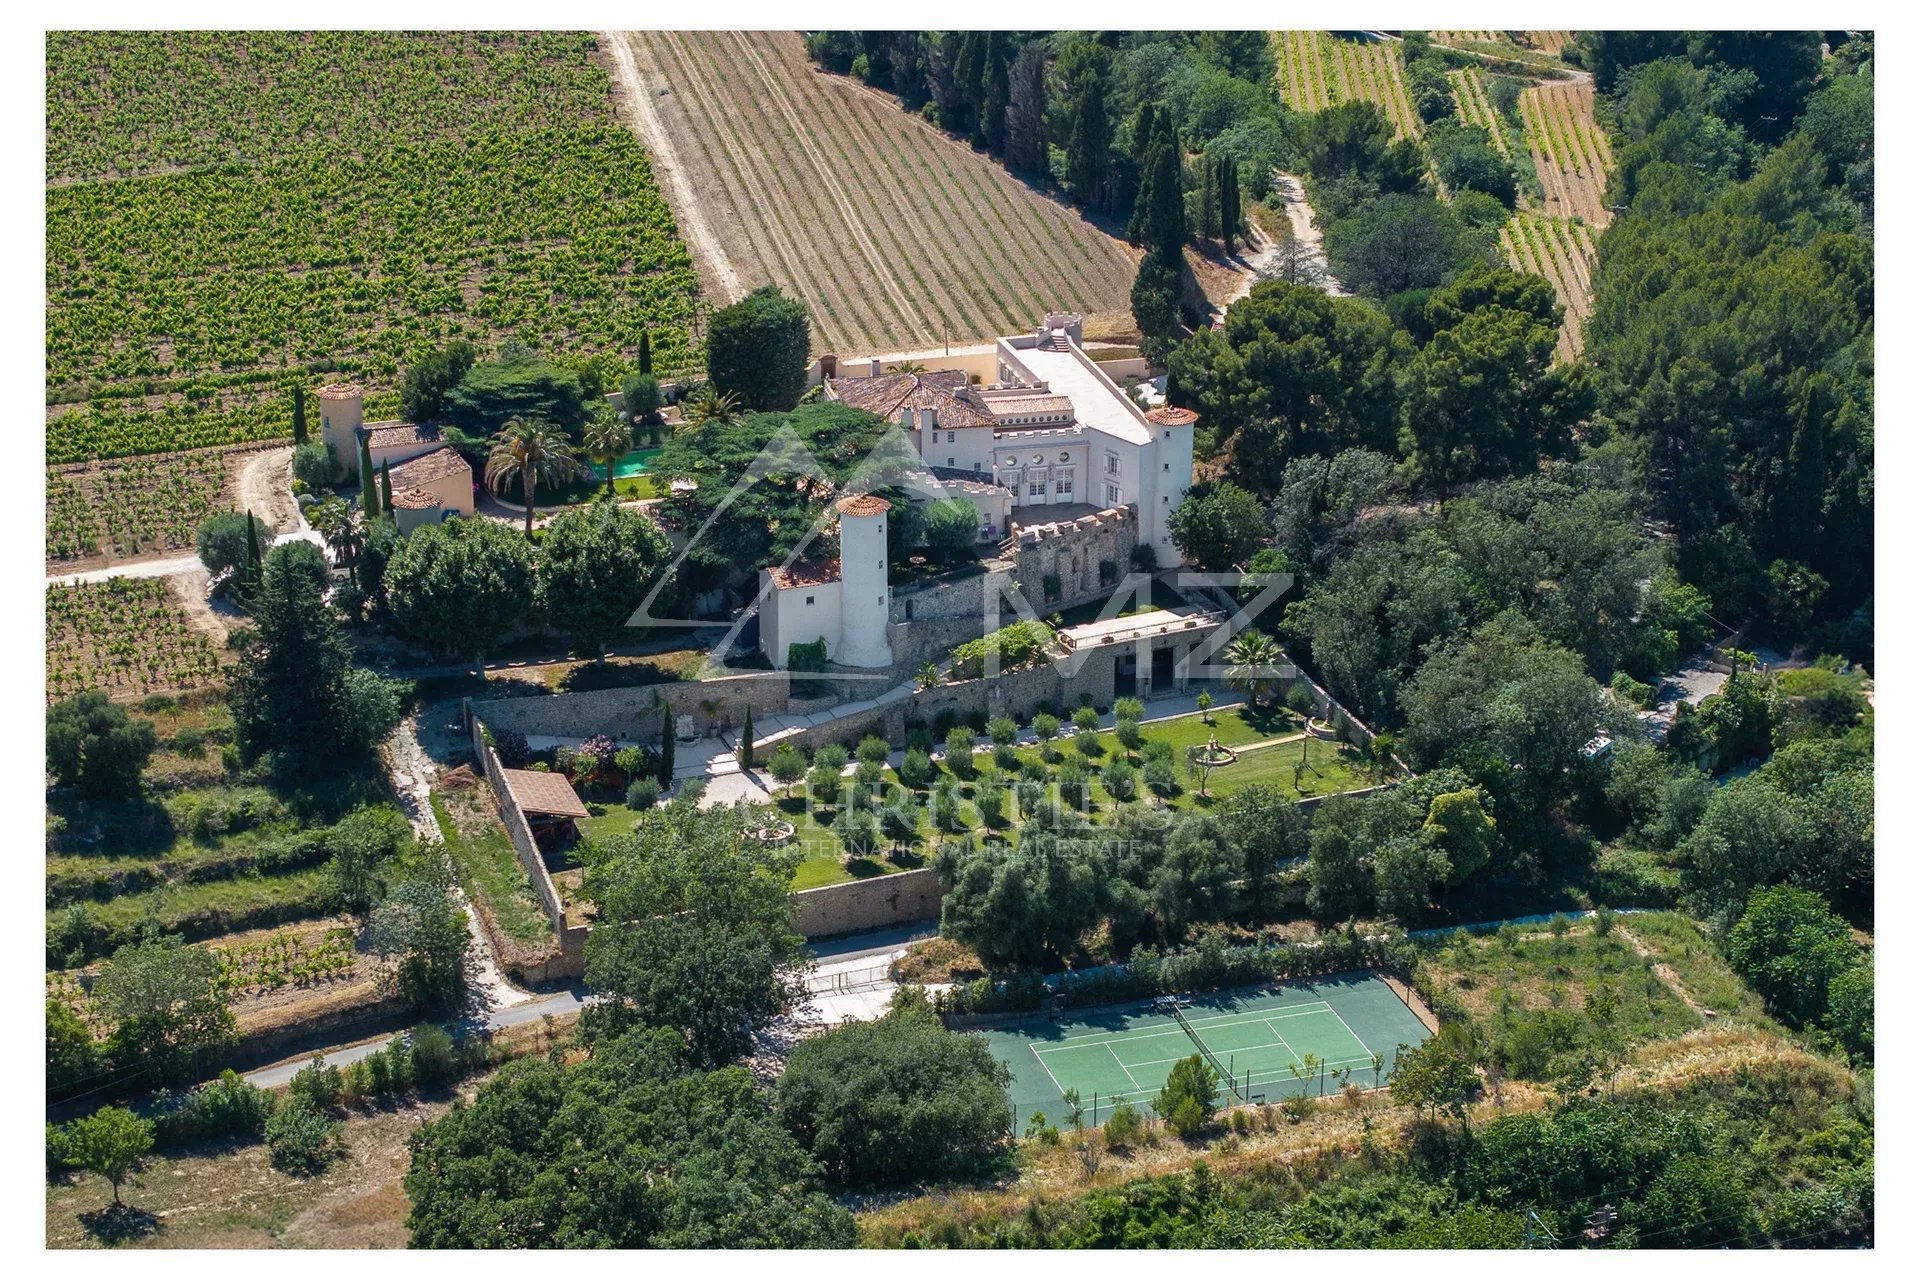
(1664, 972)
(264, 484)
(190, 589)
(412, 772)
(1307, 231)
(708, 256)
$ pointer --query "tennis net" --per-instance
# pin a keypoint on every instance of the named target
(1226, 1077)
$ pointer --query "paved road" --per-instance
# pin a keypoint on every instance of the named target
(841, 986)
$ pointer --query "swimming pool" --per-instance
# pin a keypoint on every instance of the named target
(633, 464)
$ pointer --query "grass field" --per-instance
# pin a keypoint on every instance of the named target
(1320, 70)
(1300, 1038)
(895, 235)
(230, 212)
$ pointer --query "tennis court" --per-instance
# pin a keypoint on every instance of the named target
(1307, 1037)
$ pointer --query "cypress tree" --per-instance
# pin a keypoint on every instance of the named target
(746, 740)
(1230, 213)
(253, 549)
(1164, 230)
(369, 497)
(386, 488)
(666, 745)
(1210, 210)
(299, 415)
(993, 105)
(646, 353)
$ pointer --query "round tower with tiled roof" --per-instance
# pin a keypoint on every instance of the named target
(864, 603)
(341, 415)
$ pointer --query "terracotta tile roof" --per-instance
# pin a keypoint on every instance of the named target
(381, 435)
(1003, 406)
(946, 393)
(1169, 416)
(865, 504)
(543, 793)
(418, 500)
(804, 573)
(428, 467)
(339, 391)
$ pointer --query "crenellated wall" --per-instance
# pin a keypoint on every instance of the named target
(633, 715)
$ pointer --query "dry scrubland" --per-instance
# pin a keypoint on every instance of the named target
(894, 235)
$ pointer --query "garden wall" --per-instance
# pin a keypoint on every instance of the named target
(633, 715)
(1073, 551)
(907, 897)
(570, 960)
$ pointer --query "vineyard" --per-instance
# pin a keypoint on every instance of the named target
(894, 234)
(325, 203)
(126, 636)
(1570, 152)
(133, 507)
(1471, 105)
(1319, 70)
(1561, 252)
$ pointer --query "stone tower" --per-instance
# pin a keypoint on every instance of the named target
(340, 421)
(863, 583)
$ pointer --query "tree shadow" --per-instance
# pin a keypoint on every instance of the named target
(116, 1224)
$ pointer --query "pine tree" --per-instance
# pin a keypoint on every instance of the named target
(746, 740)
(386, 488)
(646, 353)
(299, 415)
(666, 745)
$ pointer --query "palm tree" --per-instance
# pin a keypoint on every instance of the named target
(908, 366)
(333, 521)
(606, 440)
(535, 451)
(708, 404)
(1253, 662)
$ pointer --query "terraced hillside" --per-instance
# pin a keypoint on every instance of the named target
(896, 236)
(1320, 70)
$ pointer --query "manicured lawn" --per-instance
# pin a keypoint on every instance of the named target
(1330, 767)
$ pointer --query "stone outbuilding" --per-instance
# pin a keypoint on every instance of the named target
(431, 487)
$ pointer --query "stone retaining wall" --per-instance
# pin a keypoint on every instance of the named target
(907, 897)
(633, 714)
(569, 959)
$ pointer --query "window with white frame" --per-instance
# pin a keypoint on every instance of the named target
(1113, 464)
(1063, 484)
(1113, 495)
(1037, 485)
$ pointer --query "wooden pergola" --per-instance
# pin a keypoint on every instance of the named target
(548, 801)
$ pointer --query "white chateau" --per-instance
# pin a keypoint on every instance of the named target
(1033, 432)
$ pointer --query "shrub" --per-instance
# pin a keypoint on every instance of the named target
(511, 746)
(1188, 1099)
(873, 750)
(1002, 731)
(315, 464)
(960, 751)
(1088, 744)
(301, 1139)
(1123, 1128)
(915, 768)
(858, 830)
(643, 792)
(1086, 719)
(1046, 727)
(1021, 645)
(434, 1056)
(788, 766)
(832, 756)
(317, 1084)
(228, 1107)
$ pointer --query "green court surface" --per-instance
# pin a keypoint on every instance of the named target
(1263, 1036)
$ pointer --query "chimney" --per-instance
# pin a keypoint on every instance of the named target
(927, 422)
(906, 417)
(876, 368)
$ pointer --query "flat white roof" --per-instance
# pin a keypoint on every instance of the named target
(1097, 403)
(1138, 626)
